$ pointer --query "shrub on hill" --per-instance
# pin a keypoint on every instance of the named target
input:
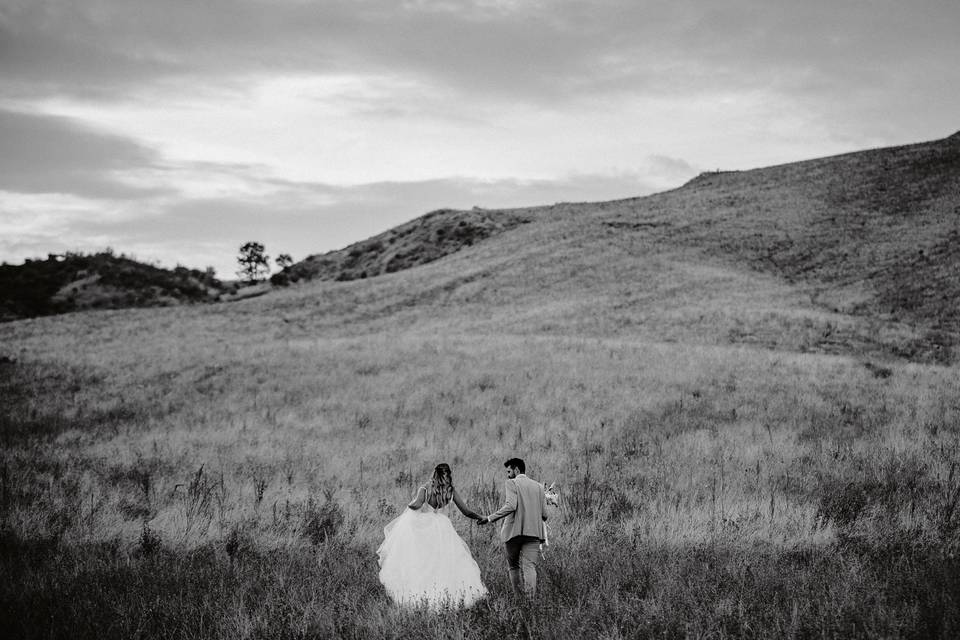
(28, 290)
(98, 281)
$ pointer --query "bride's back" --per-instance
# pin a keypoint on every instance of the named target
(439, 489)
(437, 499)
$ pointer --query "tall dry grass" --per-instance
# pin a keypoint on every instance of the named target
(213, 477)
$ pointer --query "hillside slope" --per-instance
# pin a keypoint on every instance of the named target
(856, 253)
(874, 234)
(420, 241)
(878, 229)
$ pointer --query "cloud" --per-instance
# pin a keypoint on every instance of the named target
(38, 59)
(831, 76)
(49, 154)
(531, 51)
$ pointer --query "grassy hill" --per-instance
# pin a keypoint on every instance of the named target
(871, 234)
(855, 254)
(425, 239)
(743, 388)
(75, 281)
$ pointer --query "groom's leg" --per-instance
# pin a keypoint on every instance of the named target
(513, 548)
(530, 559)
(516, 580)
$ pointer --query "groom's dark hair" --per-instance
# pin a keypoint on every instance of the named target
(516, 463)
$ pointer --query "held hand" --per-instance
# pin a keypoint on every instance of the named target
(483, 521)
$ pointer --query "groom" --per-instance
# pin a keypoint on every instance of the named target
(522, 531)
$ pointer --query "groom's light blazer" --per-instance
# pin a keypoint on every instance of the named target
(524, 511)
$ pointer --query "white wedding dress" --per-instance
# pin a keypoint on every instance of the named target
(423, 561)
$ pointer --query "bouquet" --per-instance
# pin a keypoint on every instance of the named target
(553, 499)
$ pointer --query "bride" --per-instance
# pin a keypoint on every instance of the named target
(422, 559)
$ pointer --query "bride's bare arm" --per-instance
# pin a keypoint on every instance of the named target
(463, 508)
(417, 502)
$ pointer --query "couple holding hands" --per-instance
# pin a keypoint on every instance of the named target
(423, 561)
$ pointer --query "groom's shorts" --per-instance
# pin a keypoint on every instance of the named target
(526, 547)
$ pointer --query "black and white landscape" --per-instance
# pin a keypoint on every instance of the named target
(697, 264)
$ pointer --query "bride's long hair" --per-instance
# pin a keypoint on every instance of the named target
(441, 485)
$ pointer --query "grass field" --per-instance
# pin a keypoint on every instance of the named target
(752, 438)
(206, 484)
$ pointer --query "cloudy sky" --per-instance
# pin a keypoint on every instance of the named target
(175, 130)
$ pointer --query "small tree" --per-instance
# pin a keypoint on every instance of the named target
(254, 264)
(284, 261)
